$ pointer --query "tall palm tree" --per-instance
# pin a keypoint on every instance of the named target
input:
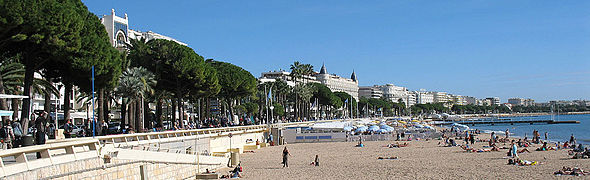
(135, 84)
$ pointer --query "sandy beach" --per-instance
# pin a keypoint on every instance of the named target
(421, 160)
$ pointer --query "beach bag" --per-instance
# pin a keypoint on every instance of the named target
(17, 131)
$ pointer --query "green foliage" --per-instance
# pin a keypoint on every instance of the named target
(235, 82)
(278, 110)
(177, 68)
(136, 82)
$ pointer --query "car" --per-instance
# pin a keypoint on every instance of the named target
(75, 129)
(114, 128)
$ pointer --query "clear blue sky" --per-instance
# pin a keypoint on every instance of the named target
(530, 49)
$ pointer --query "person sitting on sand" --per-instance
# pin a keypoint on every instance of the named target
(542, 148)
(467, 148)
(393, 157)
(360, 142)
(397, 145)
(236, 172)
(571, 171)
(526, 163)
(566, 145)
(524, 150)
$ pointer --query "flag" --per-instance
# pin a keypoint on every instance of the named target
(346, 101)
(314, 103)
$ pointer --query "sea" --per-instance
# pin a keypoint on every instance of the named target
(556, 132)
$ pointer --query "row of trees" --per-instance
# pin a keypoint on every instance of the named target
(63, 42)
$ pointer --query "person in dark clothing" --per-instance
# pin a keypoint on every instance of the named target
(68, 128)
(471, 138)
(286, 154)
(41, 125)
(317, 160)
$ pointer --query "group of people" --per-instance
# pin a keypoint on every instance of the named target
(11, 134)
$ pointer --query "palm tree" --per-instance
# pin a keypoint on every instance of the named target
(135, 84)
(12, 76)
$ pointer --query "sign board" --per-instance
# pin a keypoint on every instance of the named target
(229, 135)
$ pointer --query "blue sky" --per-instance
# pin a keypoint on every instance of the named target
(529, 49)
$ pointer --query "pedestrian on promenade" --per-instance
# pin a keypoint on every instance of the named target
(68, 128)
(18, 133)
(286, 155)
(7, 135)
(41, 125)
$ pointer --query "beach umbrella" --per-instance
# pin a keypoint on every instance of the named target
(386, 127)
(382, 131)
(347, 128)
(360, 129)
(374, 128)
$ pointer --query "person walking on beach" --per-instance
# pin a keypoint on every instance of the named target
(286, 155)
(507, 133)
(572, 140)
(514, 150)
(545, 135)
(317, 160)
(492, 137)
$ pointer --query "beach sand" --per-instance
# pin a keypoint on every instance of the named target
(421, 160)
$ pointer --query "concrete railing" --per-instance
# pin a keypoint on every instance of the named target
(23, 159)
(68, 150)
(174, 136)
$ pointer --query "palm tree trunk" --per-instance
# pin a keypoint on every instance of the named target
(100, 105)
(159, 112)
(28, 88)
(3, 102)
(173, 112)
(47, 98)
(131, 113)
(180, 114)
(14, 103)
(147, 121)
(123, 112)
(67, 94)
(231, 111)
(138, 120)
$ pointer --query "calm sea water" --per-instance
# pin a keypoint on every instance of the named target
(556, 132)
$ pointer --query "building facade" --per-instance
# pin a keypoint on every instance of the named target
(339, 84)
(370, 92)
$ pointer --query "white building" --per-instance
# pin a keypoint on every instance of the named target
(441, 97)
(396, 93)
(339, 84)
(370, 92)
(472, 100)
(333, 82)
(423, 97)
(119, 32)
(458, 99)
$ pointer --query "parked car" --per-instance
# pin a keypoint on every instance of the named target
(115, 128)
(75, 130)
